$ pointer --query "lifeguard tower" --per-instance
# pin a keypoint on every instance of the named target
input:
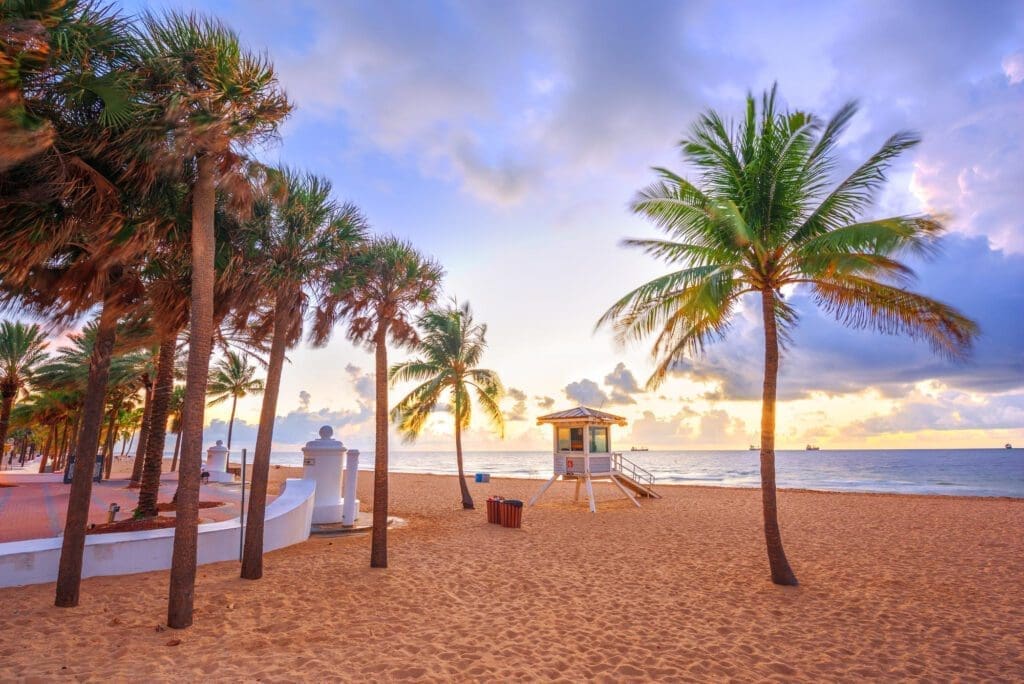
(583, 452)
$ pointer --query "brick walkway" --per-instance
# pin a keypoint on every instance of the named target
(34, 510)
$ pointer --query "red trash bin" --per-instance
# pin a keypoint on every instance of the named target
(513, 514)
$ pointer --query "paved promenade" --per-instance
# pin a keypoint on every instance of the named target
(30, 510)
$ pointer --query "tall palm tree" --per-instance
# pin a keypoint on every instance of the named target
(450, 348)
(70, 213)
(380, 291)
(22, 350)
(293, 243)
(232, 378)
(219, 98)
(765, 217)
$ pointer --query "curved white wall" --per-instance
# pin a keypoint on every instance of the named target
(35, 561)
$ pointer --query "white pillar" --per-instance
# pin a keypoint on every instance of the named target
(350, 504)
(322, 462)
(217, 463)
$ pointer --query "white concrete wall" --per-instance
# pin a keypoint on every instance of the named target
(35, 561)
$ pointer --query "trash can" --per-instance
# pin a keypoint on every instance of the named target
(513, 513)
(502, 512)
(493, 504)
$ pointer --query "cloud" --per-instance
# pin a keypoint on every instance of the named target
(651, 431)
(586, 392)
(544, 402)
(826, 357)
(304, 398)
(1013, 67)
(365, 384)
(718, 427)
(689, 429)
(296, 427)
(947, 410)
(623, 385)
(518, 411)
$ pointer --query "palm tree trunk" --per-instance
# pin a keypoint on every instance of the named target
(51, 437)
(231, 423)
(467, 499)
(154, 460)
(147, 415)
(69, 574)
(59, 456)
(181, 594)
(781, 572)
(7, 393)
(252, 557)
(108, 448)
(177, 450)
(76, 425)
(379, 542)
(124, 443)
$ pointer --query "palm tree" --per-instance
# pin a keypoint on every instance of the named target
(45, 43)
(450, 346)
(70, 213)
(380, 290)
(219, 98)
(764, 219)
(22, 349)
(232, 379)
(174, 414)
(295, 240)
(163, 387)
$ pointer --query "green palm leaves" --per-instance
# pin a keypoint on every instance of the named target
(22, 350)
(451, 345)
(764, 216)
(217, 93)
(378, 291)
(232, 378)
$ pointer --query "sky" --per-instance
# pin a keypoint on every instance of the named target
(507, 139)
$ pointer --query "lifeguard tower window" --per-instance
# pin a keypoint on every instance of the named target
(598, 440)
(570, 439)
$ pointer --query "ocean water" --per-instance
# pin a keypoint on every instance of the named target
(959, 472)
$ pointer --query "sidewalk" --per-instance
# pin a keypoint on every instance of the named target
(30, 510)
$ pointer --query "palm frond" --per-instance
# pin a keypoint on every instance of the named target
(867, 304)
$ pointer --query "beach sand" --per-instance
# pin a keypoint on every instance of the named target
(892, 587)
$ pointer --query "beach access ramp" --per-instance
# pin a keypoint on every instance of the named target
(633, 477)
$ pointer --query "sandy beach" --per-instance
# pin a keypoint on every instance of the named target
(892, 587)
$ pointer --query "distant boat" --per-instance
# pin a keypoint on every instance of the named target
(639, 449)
(1008, 446)
(754, 448)
(812, 447)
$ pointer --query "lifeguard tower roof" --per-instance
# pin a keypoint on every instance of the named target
(582, 414)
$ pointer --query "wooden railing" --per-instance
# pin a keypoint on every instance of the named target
(631, 470)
